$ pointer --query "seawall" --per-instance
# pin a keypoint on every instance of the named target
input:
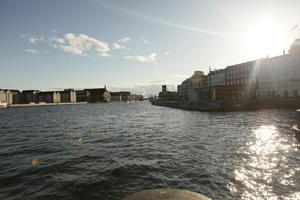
(234, 105)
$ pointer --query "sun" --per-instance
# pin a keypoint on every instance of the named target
(266, 38)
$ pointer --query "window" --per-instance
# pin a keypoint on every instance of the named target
(295, 93)
(273, 94)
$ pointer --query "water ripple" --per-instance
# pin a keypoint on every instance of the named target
(108, 151)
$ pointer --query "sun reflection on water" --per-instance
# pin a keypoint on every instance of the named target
(264, 166)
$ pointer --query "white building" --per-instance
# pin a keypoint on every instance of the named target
(280, 76)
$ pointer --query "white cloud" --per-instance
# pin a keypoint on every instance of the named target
(35, 40)
(124, 39)
(72, 50)
(144, 40)
(167, 53)
(55, 46)
(33, 51)
(55, 31)
(149, 59)
(117, 46)
(104, 54)
(78, 45)
(57, 39)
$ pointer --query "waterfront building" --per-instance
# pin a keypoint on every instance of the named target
(133, 97)
(81, 96)
(230, 93)
(116, 96)
(242, 74)
(216, 78)
(97, 95)
(139, 97)
(4, 96)
(190, 89)
(29, 96)
(125, 96)
(166, 95)
(68, 95)
(279, 77)
(10, 96)
(49, 97)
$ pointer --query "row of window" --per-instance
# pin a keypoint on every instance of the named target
(237, 82)
(239, 70)
(278, 94)
(238, 75)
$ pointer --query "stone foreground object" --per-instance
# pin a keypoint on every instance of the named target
(167, 194)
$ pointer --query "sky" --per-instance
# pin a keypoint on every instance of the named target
(135, 45)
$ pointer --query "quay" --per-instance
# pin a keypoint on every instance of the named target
(230, 106)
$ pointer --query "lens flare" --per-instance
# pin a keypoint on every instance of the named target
(35, 162)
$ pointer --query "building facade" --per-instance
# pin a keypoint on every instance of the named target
(242, 74)
(166, 95)
(116, 96)
(190, 89)
(97, 95)
(67, 96)
(125, 96)
(49, 97)
(279, 77)
(216, 78)
(10, 96)
(30, 96)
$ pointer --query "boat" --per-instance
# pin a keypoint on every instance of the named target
(3, 105)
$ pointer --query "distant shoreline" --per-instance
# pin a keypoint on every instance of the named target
(48, 104)
(44, 104)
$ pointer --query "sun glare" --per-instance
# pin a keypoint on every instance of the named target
(266, 39)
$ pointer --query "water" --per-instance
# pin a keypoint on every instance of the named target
(108, 151)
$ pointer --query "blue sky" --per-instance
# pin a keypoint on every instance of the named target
(133, 44)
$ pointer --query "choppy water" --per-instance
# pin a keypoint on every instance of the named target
(108, 151)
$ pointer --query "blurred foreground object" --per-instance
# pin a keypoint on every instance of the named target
(167, 194)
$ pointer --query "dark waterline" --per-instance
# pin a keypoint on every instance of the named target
(108, 151)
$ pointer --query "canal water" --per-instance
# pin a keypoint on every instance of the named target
(108, 151)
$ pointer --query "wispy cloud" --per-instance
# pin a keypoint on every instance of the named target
(151, 58)
(124, 39)
(104, 54)
(117, 46)
(57, 39)
(35, 40)
(33, 51)
(144, 40)
(168, 23)
(79, 45)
